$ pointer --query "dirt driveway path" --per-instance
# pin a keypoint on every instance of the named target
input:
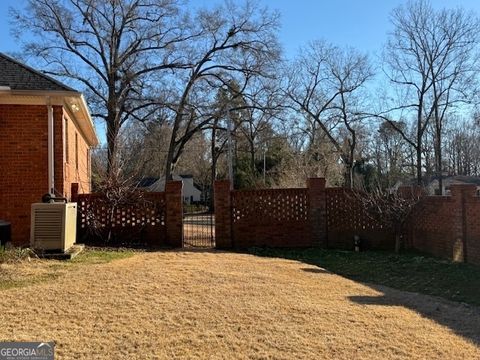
(213, 305)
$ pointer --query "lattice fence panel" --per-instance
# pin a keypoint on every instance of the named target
(345, 212)
(129, 224)
(272, 206)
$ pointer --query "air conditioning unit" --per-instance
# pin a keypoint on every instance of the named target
(53, 226)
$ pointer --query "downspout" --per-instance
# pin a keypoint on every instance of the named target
(51, 157)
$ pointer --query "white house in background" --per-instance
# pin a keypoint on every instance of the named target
(431, 183)
(190, 192)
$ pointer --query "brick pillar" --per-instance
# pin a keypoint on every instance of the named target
(174, 213)
(223, 215)
(317, 211)
(460, 195)
(74, 192)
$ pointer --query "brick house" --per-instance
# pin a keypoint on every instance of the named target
(46, 134)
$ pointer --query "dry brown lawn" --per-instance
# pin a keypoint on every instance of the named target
(214, 305)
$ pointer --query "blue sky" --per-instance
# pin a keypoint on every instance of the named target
(362, 24)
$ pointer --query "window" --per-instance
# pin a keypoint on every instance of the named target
(76, 151)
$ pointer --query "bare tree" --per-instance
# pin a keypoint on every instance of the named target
(391, 210)
(461, 148)
(110, 48)
(236, 43)
(323, 86)
(428, 58)
(391, 154)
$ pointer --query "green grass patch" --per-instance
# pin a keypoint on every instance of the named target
(16, 270)
(101, 256)
(16, 254)
(26, 281)
(407, 271)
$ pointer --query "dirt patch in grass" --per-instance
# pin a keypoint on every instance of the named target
(216, 305)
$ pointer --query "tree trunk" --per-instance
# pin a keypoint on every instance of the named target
(112, 134)
(439, 167)
(169, 166)
(252, 158)
(214, 165)
(419, 161)
(349, 182)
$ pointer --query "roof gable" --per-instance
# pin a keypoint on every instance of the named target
(18, 76)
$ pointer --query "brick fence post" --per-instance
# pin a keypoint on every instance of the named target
(317, 211)
(460, 194)
(174, 213)
(223, 215)
(74, 192)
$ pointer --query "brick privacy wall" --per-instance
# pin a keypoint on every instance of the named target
(273, 217)
(432, 226)
(444, 226)
(473, 229)
(130, 226)
(158, 222)
(24, 163)
(317, 211)
(347, 218)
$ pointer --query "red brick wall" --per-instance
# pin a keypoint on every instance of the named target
(274, 217)
(346, 218)
(472, 228)
(174, 213)
(141, 225)
(24, 163)
(444, 226)
(23, 160)
(76, 166)
(432, 226)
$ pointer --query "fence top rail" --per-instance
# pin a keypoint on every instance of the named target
(266, 191)
(147, 194)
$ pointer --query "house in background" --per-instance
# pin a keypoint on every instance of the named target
(191, 194)
(432, 184)
(46, 135)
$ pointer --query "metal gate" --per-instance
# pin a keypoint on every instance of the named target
(198, 225)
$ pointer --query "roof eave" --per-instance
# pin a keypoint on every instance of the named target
(61, 93)
(86, 124)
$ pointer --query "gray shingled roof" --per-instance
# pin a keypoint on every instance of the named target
(19, 76)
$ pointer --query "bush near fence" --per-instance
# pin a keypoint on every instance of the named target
(136, 225)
